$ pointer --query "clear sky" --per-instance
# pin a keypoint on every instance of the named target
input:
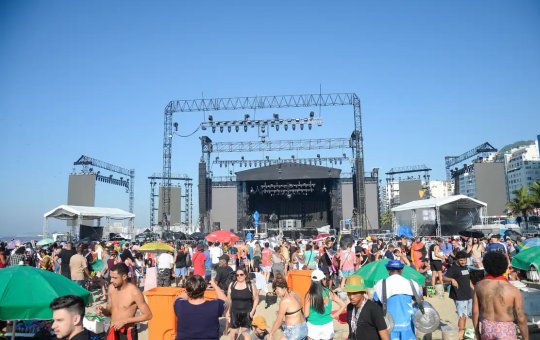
(93, 77)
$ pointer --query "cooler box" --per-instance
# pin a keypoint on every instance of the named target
(161, 300)
(299, 282)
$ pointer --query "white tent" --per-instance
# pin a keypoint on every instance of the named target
(440, 216)
(78, 213)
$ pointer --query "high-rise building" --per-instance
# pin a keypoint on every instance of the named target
(439, 189)
(522, 167)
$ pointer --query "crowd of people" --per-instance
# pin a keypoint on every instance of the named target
(475, 269)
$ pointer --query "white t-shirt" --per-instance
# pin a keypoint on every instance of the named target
(215, 253)
(165, 261)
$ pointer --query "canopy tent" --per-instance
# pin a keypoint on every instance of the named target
(439, 216)
(77, 214)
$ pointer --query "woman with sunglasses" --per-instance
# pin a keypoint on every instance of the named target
(244, 300)
(318, 308)
(289, 313)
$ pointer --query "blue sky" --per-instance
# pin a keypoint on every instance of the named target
(435, 79)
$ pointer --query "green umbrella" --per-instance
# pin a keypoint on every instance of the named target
(376, 271)
(26, 292)
(45, 242)
(527, 258)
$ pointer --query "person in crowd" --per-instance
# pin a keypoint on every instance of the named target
(389, 253)
(165, 262)
(290, 316)
(197, 318)
(399, 255)
(124, 299)
(399, 300)
(364, 316)
(310, 257)
(512, 251)
(318, 307)
(111, 261)
(244, 298)
(65, 256)
(477, 251)
(278, 262)
(78, 267)
(436, 258)
(198, 261)
(258, 330)
(68, 315)
(232, 251)
(180, 267)
(495, 244)
(257, 255)
(325, 263)
(286, 255)
(266, 261)
(3, 258)
(139, 269)
(346, 263)
(461, 290)
(496, 302)
(46, 261)
(418, 253)
(207, 263)
(215, 253)
(224, 273)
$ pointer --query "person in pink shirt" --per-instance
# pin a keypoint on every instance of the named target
(266, 261)
(198, 260)
(346, 263)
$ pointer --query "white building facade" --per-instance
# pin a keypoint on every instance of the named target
(522, 167)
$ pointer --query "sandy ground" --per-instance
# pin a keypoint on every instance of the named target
(443, 305)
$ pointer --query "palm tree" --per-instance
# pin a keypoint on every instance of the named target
(386, 218)
(535, 193)
(522, 204)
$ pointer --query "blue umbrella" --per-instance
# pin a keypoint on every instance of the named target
(532, 242)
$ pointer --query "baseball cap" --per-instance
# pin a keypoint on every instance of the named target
(259, 321)
(224, 257)
(317, 275)
(394, 264)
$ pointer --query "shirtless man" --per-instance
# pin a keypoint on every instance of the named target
(124, 300)
(496, 303)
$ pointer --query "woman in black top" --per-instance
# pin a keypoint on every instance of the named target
(180, 265)
(244, 300)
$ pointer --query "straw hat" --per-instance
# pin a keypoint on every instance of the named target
(355, 283)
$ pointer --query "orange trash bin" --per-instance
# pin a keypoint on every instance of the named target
(161, 303)
(299, 282)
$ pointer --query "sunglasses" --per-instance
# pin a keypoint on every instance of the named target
(241, 274)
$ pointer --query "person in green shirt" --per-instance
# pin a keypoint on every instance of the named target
(318, 308)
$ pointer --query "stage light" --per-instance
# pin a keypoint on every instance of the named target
(263, 129)
(221, 129)
(311, 114)
(286, 127)
(213, 129)
(277, 127)
(310, 126)
(276, 116)
(294, 127)
(175, 126)
(246, 116)
(245, 128)
(210, 118)
(229, 128)
(301, 126)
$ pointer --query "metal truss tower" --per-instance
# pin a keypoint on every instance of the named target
(188, 194)
(450, 161)
(89, 161)
(270, 102)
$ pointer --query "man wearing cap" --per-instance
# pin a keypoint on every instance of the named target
(399, 300)
(259, 329)
(223, 273)
(462, 289)
(365, 317)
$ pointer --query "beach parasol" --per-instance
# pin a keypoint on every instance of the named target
(45, 241)
(155, 247)
(222, 236)
(528, 243)
(26, 292)
(13, 244)
(527, 258)
(376, 271)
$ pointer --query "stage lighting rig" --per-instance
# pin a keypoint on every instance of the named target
(262, 124)
(293, 160)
